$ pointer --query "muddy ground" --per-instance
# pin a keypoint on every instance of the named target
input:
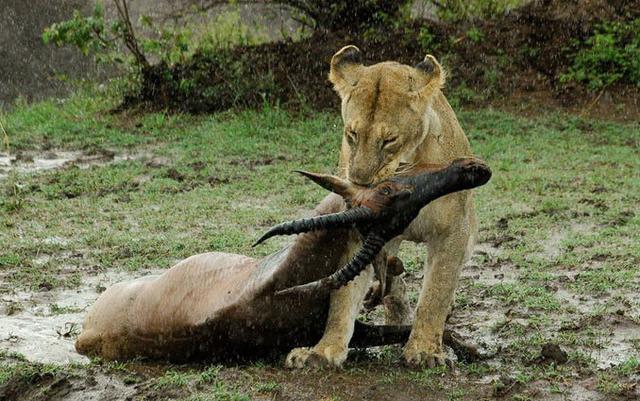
(549, 297)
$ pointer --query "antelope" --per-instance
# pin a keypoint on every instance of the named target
(219, 305)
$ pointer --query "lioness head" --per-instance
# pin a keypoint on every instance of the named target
(383, 109)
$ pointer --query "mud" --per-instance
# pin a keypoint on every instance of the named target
(43, 325)
(552, 246)
(33, 162)
(91, 385)
(622, 334)
(486, 320)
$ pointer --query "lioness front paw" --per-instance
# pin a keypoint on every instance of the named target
(424, 355)
(316, 357)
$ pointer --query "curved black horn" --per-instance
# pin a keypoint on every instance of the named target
(327, 221)
(461, 174)
(372, 245)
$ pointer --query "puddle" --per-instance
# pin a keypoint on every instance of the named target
(485, 320)
(487, 268)
(584, 391)
(27, 163)
(619, 346)
(552, 246)
(43, 325)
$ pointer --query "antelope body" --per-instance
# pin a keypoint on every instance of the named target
(216, 303)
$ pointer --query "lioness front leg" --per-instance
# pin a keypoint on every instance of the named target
(333, 347)
(446, 255)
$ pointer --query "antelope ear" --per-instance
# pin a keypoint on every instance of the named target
(346, 68)
(334, 184)
(433, 76)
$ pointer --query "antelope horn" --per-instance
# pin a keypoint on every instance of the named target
(372, 245)
(327, 221)
(461, 174)
(332, 183)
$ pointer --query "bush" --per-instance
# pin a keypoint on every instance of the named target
(190, 46)
(458, 10)
(611, 54)
(95, 35)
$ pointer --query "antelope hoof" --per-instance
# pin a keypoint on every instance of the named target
(424, 357)
(319, 357)
(396, 311)
(374, 296)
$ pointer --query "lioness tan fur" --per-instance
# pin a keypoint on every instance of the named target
(395, 116)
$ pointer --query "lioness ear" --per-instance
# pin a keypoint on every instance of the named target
(433, 74)
(346, 68)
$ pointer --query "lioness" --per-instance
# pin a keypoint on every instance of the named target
(395, 116)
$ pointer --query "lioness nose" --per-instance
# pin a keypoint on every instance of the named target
(360, 176)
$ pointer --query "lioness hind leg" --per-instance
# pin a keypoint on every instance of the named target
(333, 347)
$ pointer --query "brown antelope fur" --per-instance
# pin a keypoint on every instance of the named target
(395, 116)
(214, 303)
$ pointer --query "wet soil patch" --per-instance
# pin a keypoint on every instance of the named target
(135, 382)
(34, 162)
(251, 164)
(42, 333)
(43, 324)
(551, 353)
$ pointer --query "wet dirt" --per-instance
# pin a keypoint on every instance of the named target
(43, 325)
(484, 319)
(622, 334)
(33, 162)
(552, 246)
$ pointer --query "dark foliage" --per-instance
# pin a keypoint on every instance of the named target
(352, 16)
(527, 50)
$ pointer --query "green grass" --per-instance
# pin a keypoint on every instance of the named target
(26, 372)
(233, 179)
(561, 205)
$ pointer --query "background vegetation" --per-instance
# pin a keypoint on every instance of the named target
(565, 49)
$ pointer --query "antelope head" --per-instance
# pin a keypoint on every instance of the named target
(381, 211)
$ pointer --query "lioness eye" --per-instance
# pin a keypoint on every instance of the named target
(351, 137)
(388, 142)
(386, 191)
